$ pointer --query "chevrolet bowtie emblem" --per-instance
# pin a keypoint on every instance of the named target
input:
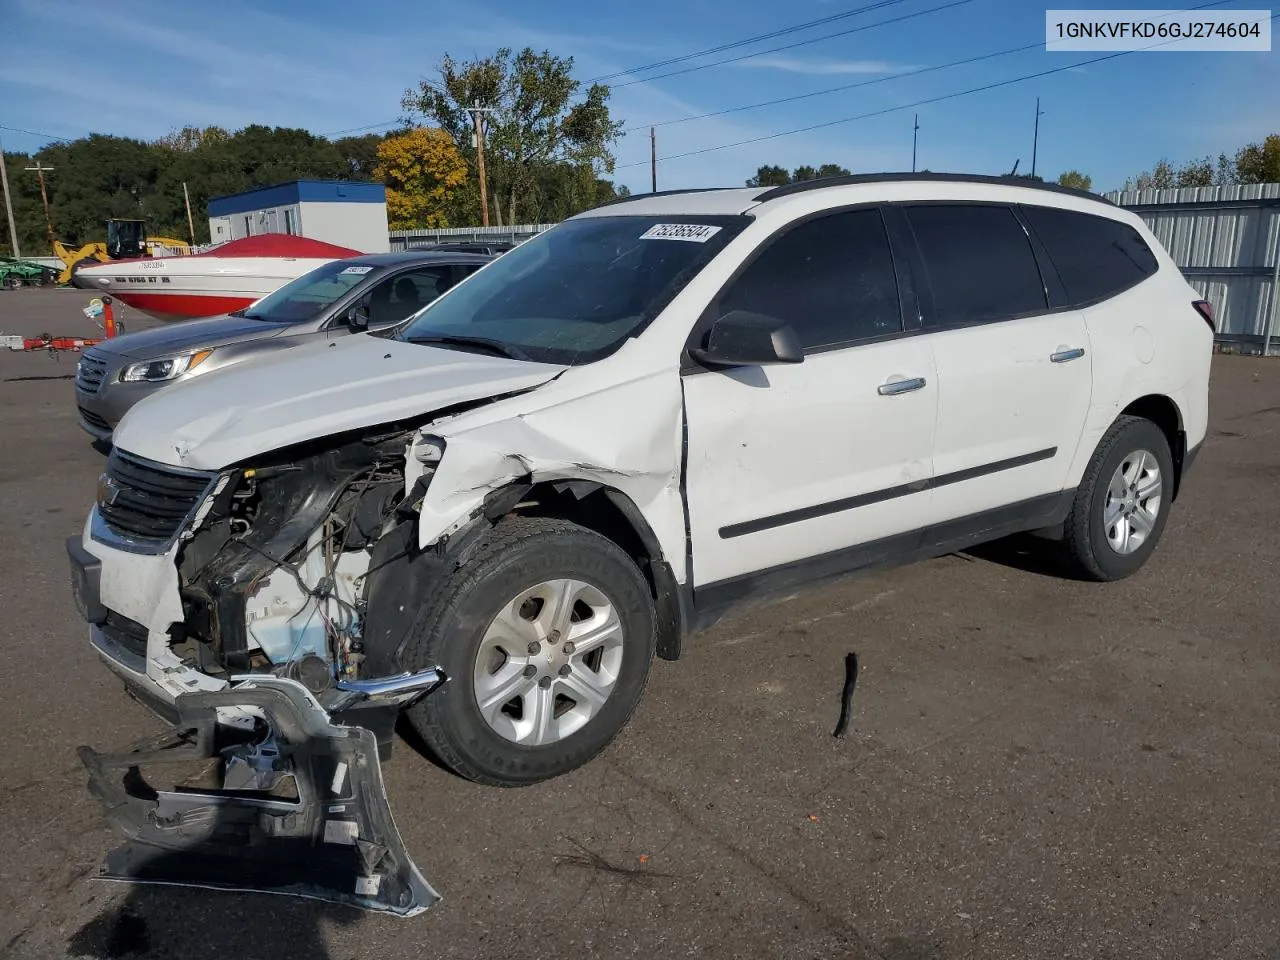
(108, 490)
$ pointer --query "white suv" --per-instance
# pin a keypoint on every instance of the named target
(607, 437)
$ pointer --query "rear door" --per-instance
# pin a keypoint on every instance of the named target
(1013, 374)
(789, 465)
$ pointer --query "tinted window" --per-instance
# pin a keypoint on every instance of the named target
(978, 261)
(832, 279)
(394, 299)
(1095, 257)
(304, 298)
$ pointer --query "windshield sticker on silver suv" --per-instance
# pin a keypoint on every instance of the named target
(694, 232)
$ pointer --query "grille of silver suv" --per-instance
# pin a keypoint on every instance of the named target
(140, 500)
(90, 372)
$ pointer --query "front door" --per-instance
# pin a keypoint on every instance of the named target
(790, 463)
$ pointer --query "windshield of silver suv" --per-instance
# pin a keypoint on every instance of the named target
(301, 300)
(574, 294)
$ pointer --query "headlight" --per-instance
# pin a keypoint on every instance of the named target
(165, 368)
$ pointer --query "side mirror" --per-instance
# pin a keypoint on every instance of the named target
(744, 339)
(358, 315)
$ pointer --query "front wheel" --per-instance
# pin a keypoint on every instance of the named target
(546, 636)
(1122, 503)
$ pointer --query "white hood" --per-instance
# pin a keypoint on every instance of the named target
(223, 417)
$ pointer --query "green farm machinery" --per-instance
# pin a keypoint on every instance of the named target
(25, 273)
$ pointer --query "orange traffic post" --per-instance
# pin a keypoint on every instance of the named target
(108, 317)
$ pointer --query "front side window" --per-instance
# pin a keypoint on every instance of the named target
(573, 294)
(1095, 257)
(831, 279)
(400, 296)
(303, 299)
(978, 262)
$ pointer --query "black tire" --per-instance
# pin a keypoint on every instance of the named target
(1085, 542)
(520, 553)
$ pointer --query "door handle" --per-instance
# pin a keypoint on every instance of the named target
(895, 387)
(1066, 356)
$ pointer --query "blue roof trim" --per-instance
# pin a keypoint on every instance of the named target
(298, 191)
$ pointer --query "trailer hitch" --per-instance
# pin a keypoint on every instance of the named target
(297, 804)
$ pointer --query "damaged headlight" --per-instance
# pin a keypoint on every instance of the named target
(164, 368)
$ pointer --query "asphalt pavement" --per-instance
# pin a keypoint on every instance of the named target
(1035, 767)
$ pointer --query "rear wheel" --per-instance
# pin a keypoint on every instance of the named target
(1122, 503)
(546, 635)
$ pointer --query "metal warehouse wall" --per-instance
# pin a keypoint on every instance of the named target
(1226, 240)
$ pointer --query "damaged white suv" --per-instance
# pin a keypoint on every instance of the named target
(605, 438)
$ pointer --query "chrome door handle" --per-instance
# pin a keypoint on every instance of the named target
(1066, 356)
(895, 387)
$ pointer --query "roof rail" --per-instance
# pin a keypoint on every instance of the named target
(862, 178)
(659, 193)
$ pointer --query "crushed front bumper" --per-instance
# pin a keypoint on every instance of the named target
(299, 807)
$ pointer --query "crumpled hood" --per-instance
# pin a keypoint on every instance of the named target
(313, 391)
(190, 335)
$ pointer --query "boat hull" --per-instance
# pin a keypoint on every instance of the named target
(181, 288)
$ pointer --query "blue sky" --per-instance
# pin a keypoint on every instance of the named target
(139, 68)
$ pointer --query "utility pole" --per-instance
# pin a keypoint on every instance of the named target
(8, 206)
(915, 139)
(191, 227)
(653, 158)
(40, 170)
(1035, 143)
(477, 118)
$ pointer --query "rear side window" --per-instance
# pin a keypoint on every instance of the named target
(1095, 257)
(831, 278)
(978, 262)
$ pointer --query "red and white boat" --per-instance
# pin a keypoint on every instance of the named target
(229, 277)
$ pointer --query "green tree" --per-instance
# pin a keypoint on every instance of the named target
(770, 176)
(538, 116)
(1260, 162)
(1076, 180)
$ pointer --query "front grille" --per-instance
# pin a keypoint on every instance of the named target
(126, 633)
(142, 500)
(93, 420)
(90, 372)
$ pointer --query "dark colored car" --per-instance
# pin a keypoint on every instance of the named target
(342, 297)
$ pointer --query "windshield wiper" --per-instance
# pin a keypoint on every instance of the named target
(496, 347)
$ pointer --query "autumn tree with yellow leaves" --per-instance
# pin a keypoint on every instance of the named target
(422, 169)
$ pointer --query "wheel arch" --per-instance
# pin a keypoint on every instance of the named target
(1164, 412)
(614, 515)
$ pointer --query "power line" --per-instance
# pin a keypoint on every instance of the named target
(368, 127)
(844, 86)
(867, 83)
(798, 43)
(35, 133)
(783, 31)
(917, 103)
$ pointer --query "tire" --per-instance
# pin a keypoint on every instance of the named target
(1095, 547)
(543, 559)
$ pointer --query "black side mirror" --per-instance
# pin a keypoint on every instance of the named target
(358, 315)
(744, 339)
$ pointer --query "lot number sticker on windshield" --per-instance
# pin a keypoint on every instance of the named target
(694, 232)
(357, 269)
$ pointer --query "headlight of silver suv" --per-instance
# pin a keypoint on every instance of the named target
(164, 368)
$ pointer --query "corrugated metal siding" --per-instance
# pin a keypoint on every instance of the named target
(1226, 240)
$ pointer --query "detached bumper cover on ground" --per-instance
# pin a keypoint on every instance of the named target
(327, 835)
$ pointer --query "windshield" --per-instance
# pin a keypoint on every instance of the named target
(573, 294)
(301, 300)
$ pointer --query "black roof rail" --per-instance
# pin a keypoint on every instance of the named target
(659, 193)
(863, 178)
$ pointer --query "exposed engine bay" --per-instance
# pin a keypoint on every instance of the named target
(275, 574)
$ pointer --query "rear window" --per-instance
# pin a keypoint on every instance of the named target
(978, 262)
(1095, 257)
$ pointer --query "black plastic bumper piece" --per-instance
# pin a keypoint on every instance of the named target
(328, 836)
